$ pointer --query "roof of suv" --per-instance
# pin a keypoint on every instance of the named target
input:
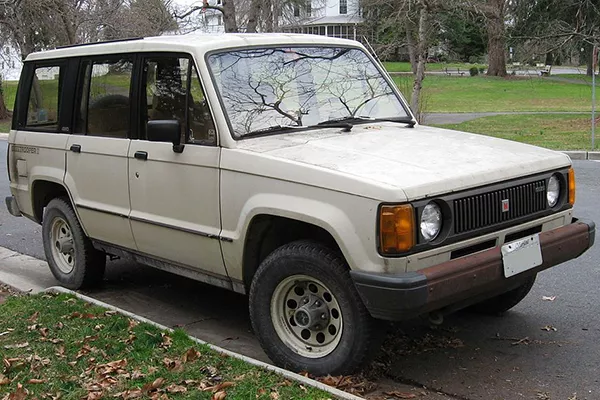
(190, 42)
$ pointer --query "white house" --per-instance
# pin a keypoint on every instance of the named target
(335, 18)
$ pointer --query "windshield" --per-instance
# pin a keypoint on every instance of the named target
(267, 89)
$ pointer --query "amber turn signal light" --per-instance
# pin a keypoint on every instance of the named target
(572, 186)
(396, 228)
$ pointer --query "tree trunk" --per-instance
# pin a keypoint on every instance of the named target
(4, 113)
(421, 58)
(410, 44)
(253, 15)
(589, 59)
(496, 38)
(229, 16)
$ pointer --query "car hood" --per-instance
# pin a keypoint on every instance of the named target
(421, 161)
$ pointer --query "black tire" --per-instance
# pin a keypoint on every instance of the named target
(88, 263)
(504, 302)
(361, 334)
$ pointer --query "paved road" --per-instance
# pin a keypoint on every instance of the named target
(457, 118)
(469, 357)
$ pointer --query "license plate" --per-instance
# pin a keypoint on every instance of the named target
(521, 255)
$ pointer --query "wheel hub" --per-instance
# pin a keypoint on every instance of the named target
(307, 316)
(314, 314)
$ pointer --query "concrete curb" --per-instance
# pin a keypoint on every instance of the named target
(583, 155)
(280, 371)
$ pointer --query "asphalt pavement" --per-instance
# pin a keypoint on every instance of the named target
(542, 349)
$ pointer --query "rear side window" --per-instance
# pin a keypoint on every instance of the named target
(104, 107)
(43, 107)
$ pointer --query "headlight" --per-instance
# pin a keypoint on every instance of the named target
(431, 221)
(553, 192)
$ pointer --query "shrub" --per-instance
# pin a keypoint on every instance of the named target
(481, 70)
(473, 71)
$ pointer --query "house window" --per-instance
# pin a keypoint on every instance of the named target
(296, 11)
(309, 8)
(343, 6)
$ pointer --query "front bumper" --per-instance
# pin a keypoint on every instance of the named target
(457, 283)
(12, 206)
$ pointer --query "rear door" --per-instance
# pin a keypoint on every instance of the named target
(175, 212)
(97, 151)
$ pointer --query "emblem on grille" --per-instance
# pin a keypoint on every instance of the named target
(505, 205)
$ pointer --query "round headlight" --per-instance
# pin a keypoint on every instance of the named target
(553, 192)
(431, 221)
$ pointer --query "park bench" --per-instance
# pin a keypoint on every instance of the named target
(455, 71)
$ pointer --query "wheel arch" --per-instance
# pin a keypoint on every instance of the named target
(267, 232)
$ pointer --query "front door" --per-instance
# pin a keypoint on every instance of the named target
(175, 212)
(97, 151)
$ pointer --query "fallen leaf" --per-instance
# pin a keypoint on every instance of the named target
(109, 313)
(56, 341)
(191, 355)
(261, 392)
(137, 374)
(129, 394)
(549, 328)
(20, 394)
(400, 395)
(219, 395)
(44, 332)
(94, 395)
(59, 325)
(36, 381)
(60, 351)
(173, 365)
(99, 327)
(548, 298)
(274, 396)
(151, 386)
(17, 346)
(4, 380)
(132, 324)
(176, 389)
(166, 341)
(34, 317)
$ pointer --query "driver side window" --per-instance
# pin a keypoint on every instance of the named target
(173, 92)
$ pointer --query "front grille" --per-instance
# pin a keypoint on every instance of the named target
(480, 211)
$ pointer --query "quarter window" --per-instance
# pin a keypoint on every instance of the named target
(44, 98)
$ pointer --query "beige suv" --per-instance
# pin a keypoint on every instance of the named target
(288, 167)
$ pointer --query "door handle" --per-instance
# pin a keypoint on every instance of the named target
(141, 155)
(76, 148)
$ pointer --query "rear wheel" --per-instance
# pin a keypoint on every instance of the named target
(505, 301)
(307, 313)
(72, 259)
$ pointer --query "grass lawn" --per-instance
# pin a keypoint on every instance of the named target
(482, 93)
(393, 66)
(5, 125)
(559, 132)
(56, 346)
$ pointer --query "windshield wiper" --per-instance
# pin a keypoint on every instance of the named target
(401, 120)
(346, 122)
(270, 129)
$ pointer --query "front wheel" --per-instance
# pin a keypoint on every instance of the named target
(504, 302)
(307, 314)
(72, 259)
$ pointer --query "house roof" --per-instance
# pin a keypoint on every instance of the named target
(343, 19)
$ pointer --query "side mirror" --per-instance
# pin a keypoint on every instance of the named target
(166, 131)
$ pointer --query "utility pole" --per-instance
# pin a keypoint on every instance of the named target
(594, 66)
